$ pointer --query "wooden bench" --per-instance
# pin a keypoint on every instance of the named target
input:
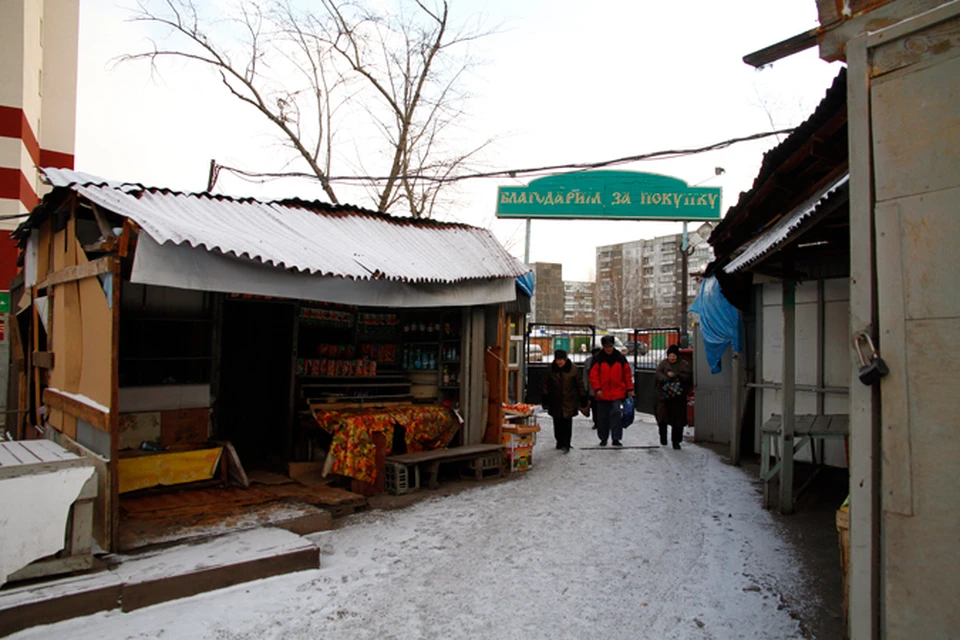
(810, 429)
(431, 459)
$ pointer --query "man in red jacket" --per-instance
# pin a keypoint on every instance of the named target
(612, 381)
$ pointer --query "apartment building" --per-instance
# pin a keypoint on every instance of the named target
(547, 304)
(639, 283)
(579, 302)
(38, 96)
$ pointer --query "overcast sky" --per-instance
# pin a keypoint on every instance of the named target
(563, 81)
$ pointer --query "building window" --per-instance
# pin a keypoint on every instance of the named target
(667, 268)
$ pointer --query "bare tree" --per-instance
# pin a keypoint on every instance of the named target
(315, 73)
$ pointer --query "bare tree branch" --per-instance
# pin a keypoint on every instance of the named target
(311, 69)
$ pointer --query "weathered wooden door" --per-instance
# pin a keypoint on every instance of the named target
(904, 101)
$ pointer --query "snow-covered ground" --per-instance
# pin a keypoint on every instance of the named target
(633, 543)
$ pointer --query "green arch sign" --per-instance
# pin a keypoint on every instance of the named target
(609, 195)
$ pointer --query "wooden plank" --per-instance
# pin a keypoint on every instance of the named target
(85, 412)
(78, 272)
(114, 424)
(7, 457)
(101, 219)
(167, 469)
(926, 160)
(864, 429)
(896, 470)
(835, 36)
(70, 352)
(128, 237)
(53, 448)
(102, 503)
(789, 393)
(919, 47)
(29, 453)
(95, 321)
(782, 49)
(41, 467)
(445, 454)
(53, 601)
(43, 359)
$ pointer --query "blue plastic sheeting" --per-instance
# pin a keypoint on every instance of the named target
(525, 282)
(720, 324)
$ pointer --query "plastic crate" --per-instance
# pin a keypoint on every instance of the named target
(483, 467)
(492, 461)
(399, 478)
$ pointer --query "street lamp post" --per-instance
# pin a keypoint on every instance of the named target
(684, 255)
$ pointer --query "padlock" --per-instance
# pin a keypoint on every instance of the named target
(873, 371)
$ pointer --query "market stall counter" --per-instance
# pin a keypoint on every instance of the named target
(353, 449)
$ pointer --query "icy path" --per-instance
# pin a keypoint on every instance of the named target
(633, 544)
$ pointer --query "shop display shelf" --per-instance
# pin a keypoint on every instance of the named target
(340, 386)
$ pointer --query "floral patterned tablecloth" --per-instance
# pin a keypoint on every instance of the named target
(426, 427)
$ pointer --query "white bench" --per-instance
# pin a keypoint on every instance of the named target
(38, 478)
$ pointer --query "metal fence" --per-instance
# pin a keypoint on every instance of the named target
(645, 349)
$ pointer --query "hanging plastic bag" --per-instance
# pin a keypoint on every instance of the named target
(628, 412)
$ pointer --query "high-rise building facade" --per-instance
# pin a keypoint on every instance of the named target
(546, 306)
(38, 97)
(579, 302)
(639, 283)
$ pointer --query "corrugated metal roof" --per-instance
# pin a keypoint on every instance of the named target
(786, 228)
(312, 237)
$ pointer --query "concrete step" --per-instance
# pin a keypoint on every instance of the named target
(159, 575)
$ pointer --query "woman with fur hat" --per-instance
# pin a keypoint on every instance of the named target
(673, 379)
(562, 395)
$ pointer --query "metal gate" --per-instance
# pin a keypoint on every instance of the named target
(542, 339)
(646, 348)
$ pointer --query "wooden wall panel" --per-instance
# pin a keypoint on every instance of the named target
(69, 354)
(96, 340)
(184, 426)
(58, 339)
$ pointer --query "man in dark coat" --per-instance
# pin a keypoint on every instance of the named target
(673, 380)
(562, 394)
(612, 381)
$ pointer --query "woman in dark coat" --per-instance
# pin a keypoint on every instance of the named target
(562, 394)
(673, 379)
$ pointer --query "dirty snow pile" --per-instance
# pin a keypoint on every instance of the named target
(599, 543)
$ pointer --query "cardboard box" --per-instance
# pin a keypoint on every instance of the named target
(513, 441)
(517, 460)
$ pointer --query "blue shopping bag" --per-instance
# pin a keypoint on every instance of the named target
(628, 412)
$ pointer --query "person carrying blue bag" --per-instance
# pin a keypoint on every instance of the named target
(612, 382)
(673, 379)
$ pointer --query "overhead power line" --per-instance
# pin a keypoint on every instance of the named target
(255, 176)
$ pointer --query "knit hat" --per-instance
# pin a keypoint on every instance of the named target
(559, 354)
(673, 349)
(607, 341)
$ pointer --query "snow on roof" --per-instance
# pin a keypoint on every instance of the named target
(311, 237)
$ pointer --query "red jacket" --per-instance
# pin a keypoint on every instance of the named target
(611, 375)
